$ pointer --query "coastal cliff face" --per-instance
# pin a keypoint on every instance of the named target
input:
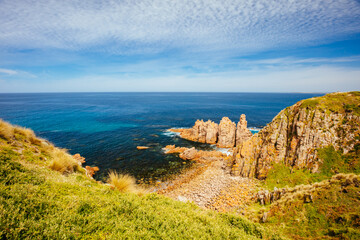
(295, 134)
(225, 135)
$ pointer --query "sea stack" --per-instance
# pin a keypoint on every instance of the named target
(227, 131)
(242, 132)
(212, 131)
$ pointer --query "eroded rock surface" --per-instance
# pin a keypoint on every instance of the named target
(193, 154)
(225, 134)
(242, 132)
(295, 134)
(227, 131)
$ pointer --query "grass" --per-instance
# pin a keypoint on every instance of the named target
(335, 102)
(283, 176)
(122, 182)
(6, 130)
(333, 213)
(63, 162)
(333, 162)
(37, 202)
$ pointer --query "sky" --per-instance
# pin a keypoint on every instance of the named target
(179, 45)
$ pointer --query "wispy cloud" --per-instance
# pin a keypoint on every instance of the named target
(278, 79)
(150, 26)
(8, 71)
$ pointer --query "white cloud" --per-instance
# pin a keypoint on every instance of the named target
(299, 79)
(151, 26)
(8, 71)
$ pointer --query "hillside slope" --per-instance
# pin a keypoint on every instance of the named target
(297, 132)
(38, 202)
(329, 209)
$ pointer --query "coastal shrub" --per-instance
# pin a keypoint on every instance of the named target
(123, 182)
(6, 130)
(310, 103)
(332, 161)
(335, 102)
(64, 162)
(282, 176)
(332, 213)
(28, 134)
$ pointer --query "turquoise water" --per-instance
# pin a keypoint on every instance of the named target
(105, 128)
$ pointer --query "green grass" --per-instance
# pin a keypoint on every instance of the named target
(333, 162)
(283, 176)
(335, 102)
(334, 213)
(37, 202)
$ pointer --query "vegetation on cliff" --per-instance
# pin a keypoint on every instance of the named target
(322, 202)
(38, 202)
(329, 209)
(297, 133)
(335, 102)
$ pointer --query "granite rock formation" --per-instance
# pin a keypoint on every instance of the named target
(193, 154)
(242, 132)
(295, 134)
(204, 132)
(225, 134)
(227, 131)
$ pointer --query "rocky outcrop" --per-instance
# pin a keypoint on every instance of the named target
(225, 135)
(242, 132)
(212, 131)
(204, 132)
(193, 154)
(142, 147)
(227, 131)
(295, 134)
(265, 197)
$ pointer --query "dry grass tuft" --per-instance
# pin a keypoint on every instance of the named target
(122, 182)
(64, 162)
(6, 130)
(125, 183)
(28, 134)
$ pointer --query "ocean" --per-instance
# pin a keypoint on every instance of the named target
(106, 128)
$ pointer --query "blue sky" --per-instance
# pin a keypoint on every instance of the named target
(187, 45)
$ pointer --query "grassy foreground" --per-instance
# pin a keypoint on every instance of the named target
(43, 194)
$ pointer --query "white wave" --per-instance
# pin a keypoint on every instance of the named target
(227, 151)
(254, 129)
(171, 134)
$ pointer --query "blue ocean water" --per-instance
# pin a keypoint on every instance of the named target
(105, 128)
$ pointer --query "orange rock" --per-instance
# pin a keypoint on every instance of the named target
(192, 153)
(79, 158)
(142, 147)
(91, 170)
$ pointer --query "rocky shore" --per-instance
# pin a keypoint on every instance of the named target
(292, 139)
(210, 183)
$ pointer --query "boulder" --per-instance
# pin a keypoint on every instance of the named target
(188, 154)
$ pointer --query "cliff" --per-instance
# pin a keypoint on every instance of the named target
(297, 132)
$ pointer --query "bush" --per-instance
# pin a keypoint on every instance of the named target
(122, 182)
(6, 130)
(281, 176)
(64, 162)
